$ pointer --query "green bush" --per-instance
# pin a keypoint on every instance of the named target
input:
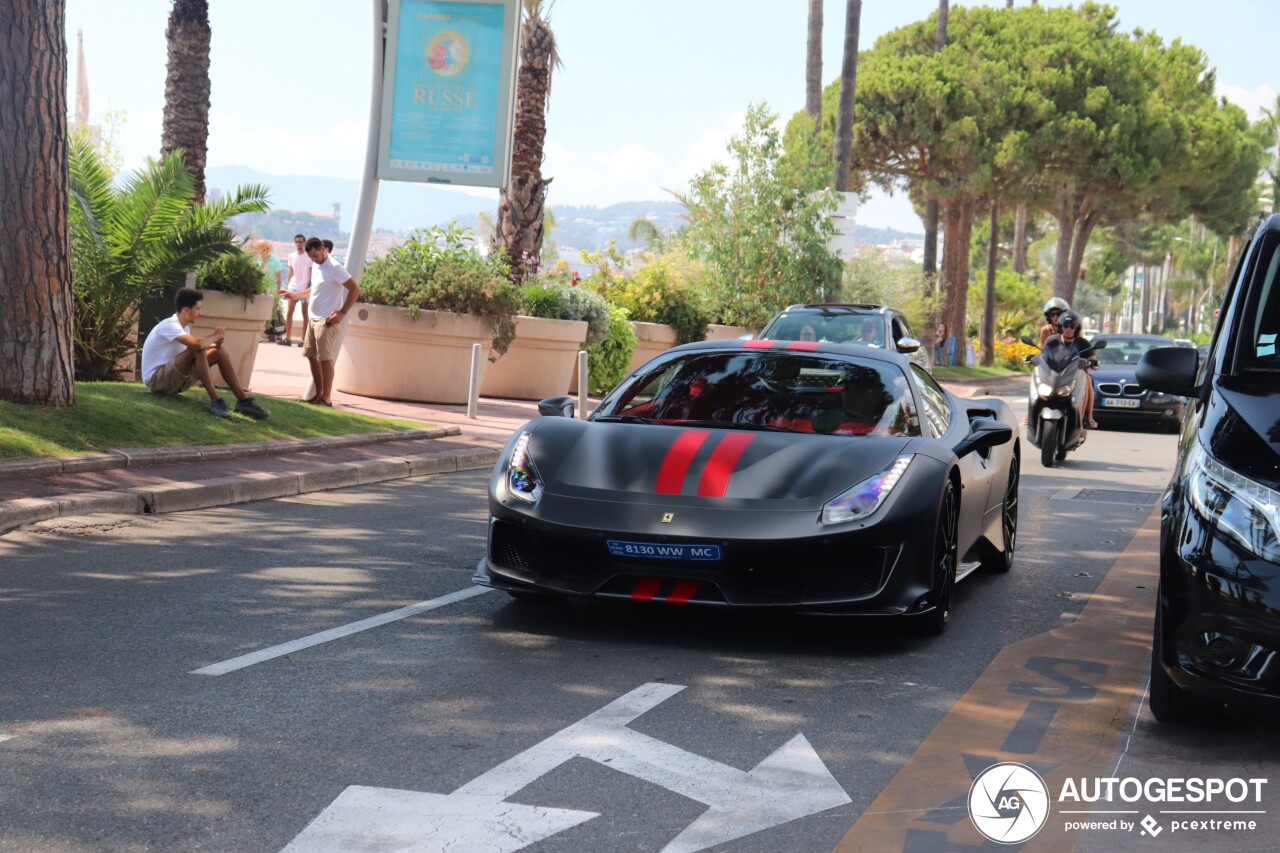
(542, 300)
(440, 270)
(609, 360)
(583, 304)
(668, 290)
(234, 273)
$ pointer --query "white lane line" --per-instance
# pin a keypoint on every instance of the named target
(6, 737)
(337, 633)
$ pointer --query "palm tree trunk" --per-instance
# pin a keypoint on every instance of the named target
(848, 84)
(1020, 240)
(186, 88)
(813, 66)
(35, 273)
(520, 204)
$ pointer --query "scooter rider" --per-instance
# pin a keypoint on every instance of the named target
(1069, 323)
(1053, 310)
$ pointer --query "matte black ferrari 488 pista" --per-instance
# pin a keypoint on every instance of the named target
(816, 477)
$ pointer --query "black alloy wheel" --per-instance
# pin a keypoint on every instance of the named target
(944, 565)
(998, 562)
(1170, 703)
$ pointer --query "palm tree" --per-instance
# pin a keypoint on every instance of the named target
(931, 212)
(848, 84)
(129, 241)
(520, 204)
(813, 66)
(186, 88)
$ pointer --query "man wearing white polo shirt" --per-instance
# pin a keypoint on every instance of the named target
(332, 296)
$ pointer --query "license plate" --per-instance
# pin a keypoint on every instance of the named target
(663, 550)
(1120, 403)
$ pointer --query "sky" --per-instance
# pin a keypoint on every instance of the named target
(647, 96)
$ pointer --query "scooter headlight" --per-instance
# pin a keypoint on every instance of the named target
(1244, 511)
(866, 497)
(1064, 391)
(523, 481)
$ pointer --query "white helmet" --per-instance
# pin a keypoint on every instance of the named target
(1058, 304)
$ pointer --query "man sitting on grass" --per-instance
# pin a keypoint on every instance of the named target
(173, 360)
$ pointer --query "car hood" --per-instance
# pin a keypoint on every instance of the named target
(1243, 428)
(673, 465)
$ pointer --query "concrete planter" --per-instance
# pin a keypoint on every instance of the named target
(539, 362)
(716, 332)
(651, 339)
(428, 360)
(244, 320)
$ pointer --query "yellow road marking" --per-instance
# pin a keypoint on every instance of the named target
(1056, 702)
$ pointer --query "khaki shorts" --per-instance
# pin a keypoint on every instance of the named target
(170, 380)
(318, 343)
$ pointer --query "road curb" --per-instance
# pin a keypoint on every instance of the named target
(140, 457)
(223, 491)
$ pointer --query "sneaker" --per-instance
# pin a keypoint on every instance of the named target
(249, 406)
(219, 409)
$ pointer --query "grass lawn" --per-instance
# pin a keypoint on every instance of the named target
(108, 415)
(965, 374)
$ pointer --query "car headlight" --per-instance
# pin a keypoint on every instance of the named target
(1241, 509)
(523, 481)
(866, 497)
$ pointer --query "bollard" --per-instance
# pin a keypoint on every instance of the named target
(473, 389)
(583, 409)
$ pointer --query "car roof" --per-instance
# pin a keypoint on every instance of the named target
(838, 308)
(797, 348)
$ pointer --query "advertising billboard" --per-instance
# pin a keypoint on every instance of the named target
(448, 91)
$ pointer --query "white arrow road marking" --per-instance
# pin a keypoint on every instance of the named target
(336, 633)
(789, 784)
(378, 819)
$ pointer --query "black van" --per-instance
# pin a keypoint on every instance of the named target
(1217, 626)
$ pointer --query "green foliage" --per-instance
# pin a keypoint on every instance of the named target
(870, 278)
(439, 269)
(548, 297)
(128, 241)
(669, 290)
(235, 273)
(761, 224)
(609, 360)
(1016, 296)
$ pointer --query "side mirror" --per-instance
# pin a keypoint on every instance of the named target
(1027, 339)
(1170, 370)
(556, 407)
(1093, 346)
(908, 345)
(984, 434)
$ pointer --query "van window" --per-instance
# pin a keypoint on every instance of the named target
(1260, 324)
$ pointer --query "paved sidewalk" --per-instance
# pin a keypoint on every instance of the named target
(175, 479)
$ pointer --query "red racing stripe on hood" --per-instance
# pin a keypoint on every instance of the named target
(677, 462)
(803, 346)
(757, 344)
(715, 477)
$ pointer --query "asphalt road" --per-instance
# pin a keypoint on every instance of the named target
(132, 720)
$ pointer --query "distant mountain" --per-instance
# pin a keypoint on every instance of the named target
(864, 236)
(400, 205)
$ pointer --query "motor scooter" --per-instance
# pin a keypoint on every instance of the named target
(1055, 407)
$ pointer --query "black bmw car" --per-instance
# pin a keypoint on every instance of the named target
(1119, 398)
(815, 477)
(1217, 626)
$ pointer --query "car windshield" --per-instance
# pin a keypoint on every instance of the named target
(833, 327)
(1262, 313)
(766, 390)
(1126, 350)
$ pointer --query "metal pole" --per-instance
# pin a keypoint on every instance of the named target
(583, 403)
(473, 388)
(368, 198)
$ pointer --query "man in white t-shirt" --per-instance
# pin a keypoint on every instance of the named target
(332, 296)
(299, 279)
(174, 360)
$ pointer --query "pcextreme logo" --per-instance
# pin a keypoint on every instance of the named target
(1008, 802)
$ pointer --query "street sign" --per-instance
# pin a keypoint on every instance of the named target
(789, 784)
